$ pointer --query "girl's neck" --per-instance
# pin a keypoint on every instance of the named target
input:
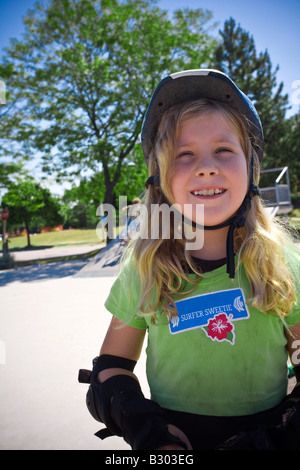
(214, 245)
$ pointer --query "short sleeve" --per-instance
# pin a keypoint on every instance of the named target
(124, 297)
(293, 259)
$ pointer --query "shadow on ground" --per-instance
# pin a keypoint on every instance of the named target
(41, 272)
(105, 262)
(30, 248)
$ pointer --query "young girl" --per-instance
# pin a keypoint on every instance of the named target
(220, 318)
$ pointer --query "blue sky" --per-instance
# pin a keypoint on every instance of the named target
(274, 24)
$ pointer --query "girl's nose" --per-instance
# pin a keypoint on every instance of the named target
(206, 166)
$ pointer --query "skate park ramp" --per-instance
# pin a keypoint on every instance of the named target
(106, 262)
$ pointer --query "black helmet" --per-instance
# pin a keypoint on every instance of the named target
(196, 84)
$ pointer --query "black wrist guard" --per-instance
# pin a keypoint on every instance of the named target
(119, 403)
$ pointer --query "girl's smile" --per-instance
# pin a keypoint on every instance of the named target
(209, 167)
(208, 192)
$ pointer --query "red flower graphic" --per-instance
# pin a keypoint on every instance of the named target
(220, 329)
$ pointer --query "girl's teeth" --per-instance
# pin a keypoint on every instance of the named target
(207, 192)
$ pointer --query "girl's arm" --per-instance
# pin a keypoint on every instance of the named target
(124, 341)
(293, 347)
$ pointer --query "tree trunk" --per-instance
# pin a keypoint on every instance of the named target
(109, 198)
(27, 228)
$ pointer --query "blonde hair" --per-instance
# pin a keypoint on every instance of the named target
(162, 265)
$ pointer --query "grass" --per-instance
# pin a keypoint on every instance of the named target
(60, 238)
(294, 218)
(295, 213)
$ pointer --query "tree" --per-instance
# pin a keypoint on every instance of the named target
(7, 170)
(236, 55)
(290, 150)
(26, 200)
(133, 176)
(12, 156)
(82, 78)
(80, 203)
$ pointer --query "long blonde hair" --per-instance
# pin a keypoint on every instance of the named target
(162, 265)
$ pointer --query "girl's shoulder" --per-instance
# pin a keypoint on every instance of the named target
(124, 295)
(127, 266)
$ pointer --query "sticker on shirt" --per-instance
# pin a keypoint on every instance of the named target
(214, 313)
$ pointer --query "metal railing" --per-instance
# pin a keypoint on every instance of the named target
(277, 195)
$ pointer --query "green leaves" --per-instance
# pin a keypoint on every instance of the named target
(25, 195)
(27, 200)
(81, 80)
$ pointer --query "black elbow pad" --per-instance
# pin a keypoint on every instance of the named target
(119, 403)
(99, 396)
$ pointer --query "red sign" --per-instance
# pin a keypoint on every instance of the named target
(4, 214)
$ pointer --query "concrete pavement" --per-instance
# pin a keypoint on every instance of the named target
(51, 324)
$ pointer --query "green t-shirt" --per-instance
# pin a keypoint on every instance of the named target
(220, 356)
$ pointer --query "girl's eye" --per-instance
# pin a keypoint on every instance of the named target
(223, 150)
(184, 154)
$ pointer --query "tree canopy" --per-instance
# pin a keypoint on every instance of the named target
(80, 81)
(27, 200)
